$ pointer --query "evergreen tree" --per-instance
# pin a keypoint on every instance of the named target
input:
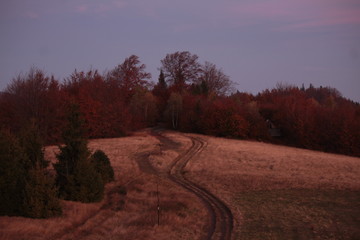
(40, 195)
(32, 144)
(162, 83)
(76, 175)
(25, 189)
(12, 174)
(88, 185)
(103, 166)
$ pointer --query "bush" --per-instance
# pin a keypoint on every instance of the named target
(103, 166)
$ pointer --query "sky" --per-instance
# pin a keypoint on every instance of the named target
(257, 43)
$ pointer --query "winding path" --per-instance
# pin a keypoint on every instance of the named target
(221, 219)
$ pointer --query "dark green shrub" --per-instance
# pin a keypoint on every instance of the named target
(12, 174)
(40, 196)
(32, 143)
(77, 177)
(103, 166)
(25, 189)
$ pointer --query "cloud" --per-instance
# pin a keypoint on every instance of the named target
(294, 14)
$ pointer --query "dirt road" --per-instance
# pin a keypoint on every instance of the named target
(133, 215)
(221, 219)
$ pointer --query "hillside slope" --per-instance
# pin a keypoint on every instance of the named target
(273, 192)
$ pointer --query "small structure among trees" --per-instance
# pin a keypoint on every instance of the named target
(273, 130)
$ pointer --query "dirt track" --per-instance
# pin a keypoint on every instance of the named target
(221, 219)
(187, 210)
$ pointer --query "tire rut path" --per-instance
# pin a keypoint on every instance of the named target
(221, 219)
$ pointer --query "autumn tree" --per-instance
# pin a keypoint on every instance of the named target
(34, 96)
(130, 75)
(181, 68)
(143, 107)
(223, 118)
(192, 117)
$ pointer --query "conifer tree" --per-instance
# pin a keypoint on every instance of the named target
(40, 195)
(11, 175)
(76, 175)
(162, 83)
(32, 144)
(25, 188)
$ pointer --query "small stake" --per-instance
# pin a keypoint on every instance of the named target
(158, 203)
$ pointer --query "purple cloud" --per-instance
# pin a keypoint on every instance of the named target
(293, 14)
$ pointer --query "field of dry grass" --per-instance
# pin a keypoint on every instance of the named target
(274, 192)
(278, 192)
(120, 216)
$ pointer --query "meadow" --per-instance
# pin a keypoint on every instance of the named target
(274, 192)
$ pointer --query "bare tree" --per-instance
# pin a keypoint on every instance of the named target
(214, 79)
(181, 67)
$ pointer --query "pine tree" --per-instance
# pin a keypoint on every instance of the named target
(162, 82)
(76, 175)
(40, 195)
(12, 174)
(25, 189)
(32, 144)
(88, 184)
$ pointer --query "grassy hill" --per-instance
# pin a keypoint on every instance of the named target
(274, 192)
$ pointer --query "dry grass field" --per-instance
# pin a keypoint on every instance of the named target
(120, 216)
(274, 192)
(278, 192)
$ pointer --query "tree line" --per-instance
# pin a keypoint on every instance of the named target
(188, 96)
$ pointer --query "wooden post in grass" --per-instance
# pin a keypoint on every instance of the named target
(158, 203)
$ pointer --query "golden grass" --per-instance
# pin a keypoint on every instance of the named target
(274, 192)
(133, 216)
(232, 168)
